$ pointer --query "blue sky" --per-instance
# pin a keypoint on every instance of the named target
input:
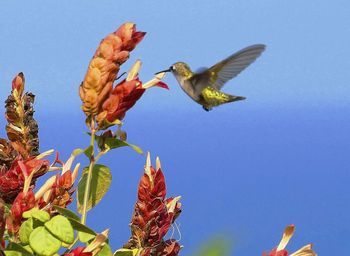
(245, 169)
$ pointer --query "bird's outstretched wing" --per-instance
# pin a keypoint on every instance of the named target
(217, 75)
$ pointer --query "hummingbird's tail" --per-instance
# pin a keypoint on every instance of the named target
(236, 98)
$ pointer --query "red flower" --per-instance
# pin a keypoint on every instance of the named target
(122, 98)
(130, 37)
(103, 69)
(78, 252)
(12, 180)
(153, 215)
(61, 191)
(125, 95)
(23, 202)
(281, 251)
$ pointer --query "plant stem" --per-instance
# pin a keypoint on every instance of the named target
(88, 181)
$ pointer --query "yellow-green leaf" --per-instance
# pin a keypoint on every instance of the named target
(85, 234)
(35, 213)
(25, 230)
(105, 251)
(43, 243)
(61, 228)
(66, 212)
(100, 183)
(126, 252)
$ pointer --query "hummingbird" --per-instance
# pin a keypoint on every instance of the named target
(204, 87)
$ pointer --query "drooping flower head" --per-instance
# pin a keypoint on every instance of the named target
(100, 99)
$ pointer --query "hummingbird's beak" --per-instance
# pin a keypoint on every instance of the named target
(167, 70)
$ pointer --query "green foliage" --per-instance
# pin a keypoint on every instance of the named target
(126, 252)
(25, 230)
(14, 249)
(100, 183)
(35, 213)
(105, 251)
(67, 213)
(109, 143)
(85, 234)
(43, 242)
(61, 228)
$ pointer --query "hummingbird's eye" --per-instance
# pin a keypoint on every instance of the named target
(172, 68)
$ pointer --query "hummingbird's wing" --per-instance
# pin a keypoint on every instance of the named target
(217, 75)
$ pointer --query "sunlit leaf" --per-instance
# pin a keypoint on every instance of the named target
(66, 212)
(88, 151)
(108, 143)
(77, 151)
(61, 228)
(105, 251)
(43, 243)
(126, 252)
(35, 213)
(14, 249)
(25, 230)
(100, 183)
(85, 234)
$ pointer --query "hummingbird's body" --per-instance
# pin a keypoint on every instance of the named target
(204, 87)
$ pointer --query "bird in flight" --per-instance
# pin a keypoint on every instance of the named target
(204, 87)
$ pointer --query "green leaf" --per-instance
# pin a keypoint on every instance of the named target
(108, 143)
(126, 252)
(66, 212)
(43, 243)
(61, 228)
(28, 249)
(105, 251)
(88, 151)
(100, 183)
(35, 213)
(25, 230)
(14, 249)
(85, 233)
(112, 143)
(85, 237)
(77, 151)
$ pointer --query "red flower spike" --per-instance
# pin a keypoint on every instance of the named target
(281, 251)
(78, 252)
(153, 215)
(2, 224)
(103, 68)
(61, 192)
(12, 180)
(23, 202)
(121, 99)
(18, 83)
(275, 253)
(130, 37)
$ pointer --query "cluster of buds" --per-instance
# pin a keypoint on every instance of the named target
(281, 251)
(102, 101)
(18, 155)
(22, 129)
(153, 215)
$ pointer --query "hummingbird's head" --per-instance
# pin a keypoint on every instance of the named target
(179, 69)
